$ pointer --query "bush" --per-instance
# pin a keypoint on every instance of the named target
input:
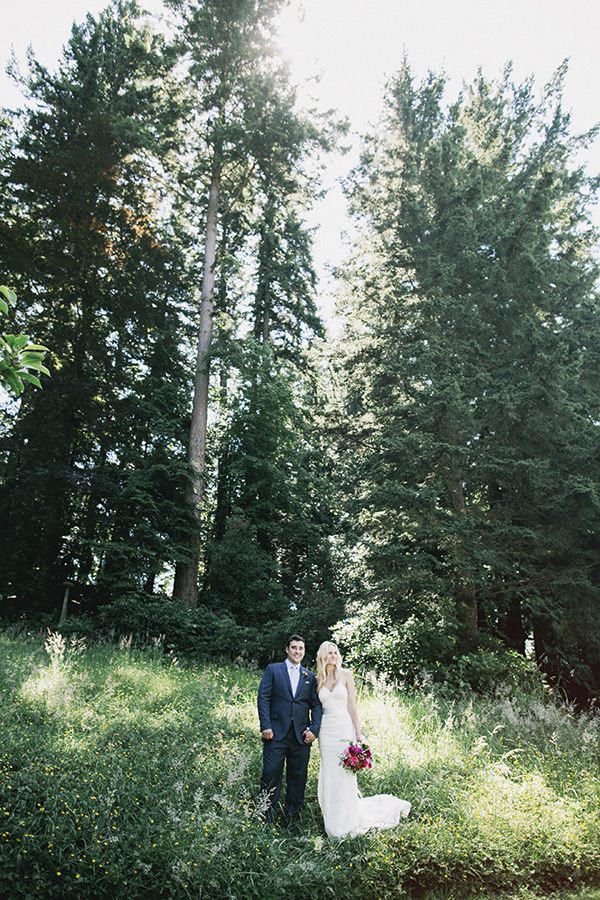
(198, 631)
(400, 652)
(415, 650)
(202, 632)
(491, 668)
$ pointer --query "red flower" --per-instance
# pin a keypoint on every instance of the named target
(357, 756)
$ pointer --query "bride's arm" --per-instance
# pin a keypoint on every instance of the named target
(352, 708)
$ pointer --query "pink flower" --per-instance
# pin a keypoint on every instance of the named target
(357, 756)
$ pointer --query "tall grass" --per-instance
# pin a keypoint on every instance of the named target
(127, 775)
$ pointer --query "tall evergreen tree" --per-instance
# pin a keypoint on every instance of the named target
(92, 461)
(472, 369)
(271, 559)
(268, 471)
(244, 128)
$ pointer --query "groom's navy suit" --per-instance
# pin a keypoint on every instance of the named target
(288, 716)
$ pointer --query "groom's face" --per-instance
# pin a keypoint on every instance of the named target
(295, 652)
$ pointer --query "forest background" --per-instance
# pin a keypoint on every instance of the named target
(202, 462)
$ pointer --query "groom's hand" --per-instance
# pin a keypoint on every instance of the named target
(267, 734)
(309, 737)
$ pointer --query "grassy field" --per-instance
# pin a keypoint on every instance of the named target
(125, 774)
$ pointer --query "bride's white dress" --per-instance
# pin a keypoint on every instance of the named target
(345, 812)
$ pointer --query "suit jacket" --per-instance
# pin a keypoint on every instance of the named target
(278, 709)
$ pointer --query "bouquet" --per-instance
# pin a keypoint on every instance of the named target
(357, 756)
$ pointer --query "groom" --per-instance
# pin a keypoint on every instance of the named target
(290, 716)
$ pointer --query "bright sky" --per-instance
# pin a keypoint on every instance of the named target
(356, 44)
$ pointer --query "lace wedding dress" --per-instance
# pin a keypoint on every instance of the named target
(345, 812)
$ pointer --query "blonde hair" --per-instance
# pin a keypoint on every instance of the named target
(322, 663)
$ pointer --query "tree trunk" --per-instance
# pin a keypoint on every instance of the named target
(223, 498)
(185, 587)
(514, 626)
(467, 597)
(468, 611)
(266, 313)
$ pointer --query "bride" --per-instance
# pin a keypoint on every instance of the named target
(345, 812)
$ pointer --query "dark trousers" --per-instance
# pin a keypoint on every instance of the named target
(276, 753)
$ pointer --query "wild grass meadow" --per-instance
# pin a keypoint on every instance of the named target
(127, 774)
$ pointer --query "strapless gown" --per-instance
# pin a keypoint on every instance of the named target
(345, 812)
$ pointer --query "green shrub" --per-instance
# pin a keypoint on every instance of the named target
(490, 668)
(400, 652)
(418, 652)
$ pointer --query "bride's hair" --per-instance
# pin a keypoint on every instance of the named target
(322, 663)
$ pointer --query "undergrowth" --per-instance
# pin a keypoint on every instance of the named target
(125, 774)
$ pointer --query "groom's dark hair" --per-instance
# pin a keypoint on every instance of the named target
(295, 637)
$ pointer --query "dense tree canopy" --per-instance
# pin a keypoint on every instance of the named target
(431, 480)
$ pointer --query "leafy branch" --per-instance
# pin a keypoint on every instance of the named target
(18, 358)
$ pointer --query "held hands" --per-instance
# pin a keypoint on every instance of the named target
(309, 737)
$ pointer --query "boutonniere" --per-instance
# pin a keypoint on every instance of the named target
(304, 673)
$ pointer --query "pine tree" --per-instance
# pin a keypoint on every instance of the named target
(84, 235)
(472, 369)
(271, 561)
(246, 141)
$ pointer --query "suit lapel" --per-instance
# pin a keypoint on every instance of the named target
(303, 679)
(286, 676)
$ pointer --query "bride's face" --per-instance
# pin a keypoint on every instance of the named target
(332, 657)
